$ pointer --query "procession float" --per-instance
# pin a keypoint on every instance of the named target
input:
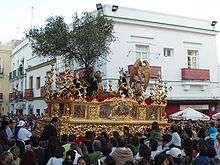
(83, 103)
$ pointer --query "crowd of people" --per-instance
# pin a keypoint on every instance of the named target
(182, 143)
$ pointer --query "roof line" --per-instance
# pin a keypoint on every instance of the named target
(167, 14)
(162, 23)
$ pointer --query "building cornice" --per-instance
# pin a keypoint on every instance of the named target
(40, 65)
(162, 25)
(189, 99)
(20, 46)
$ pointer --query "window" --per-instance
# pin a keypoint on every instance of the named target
(38, 83)
(1, 62)
(38, 111)
(31, 111)
(31, 82)
(168, 52)
(142, 52)
(17, 63)
(192, 58)
(19, 112)
(1, 65)
(22, 85)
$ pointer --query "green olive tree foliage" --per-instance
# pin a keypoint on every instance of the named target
(85, 40)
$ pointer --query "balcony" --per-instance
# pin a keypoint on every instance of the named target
(155, 71)
(14, 74)
(20, 71)
(19, 95)
(10, 76)
(10, 96)
(14, 95)
(29, 94)
(1, 96)
(42, 91)
(1, 71)
(195, 74)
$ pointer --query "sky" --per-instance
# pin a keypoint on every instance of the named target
(16, 15)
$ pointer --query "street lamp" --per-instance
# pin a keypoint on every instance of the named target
(99, 6)
(214, 23)
(114, 8)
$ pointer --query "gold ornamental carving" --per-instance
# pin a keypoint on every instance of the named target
(79, 111)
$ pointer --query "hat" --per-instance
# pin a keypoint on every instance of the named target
(213, 132)
(174, 152)
(156, 136)
(21, 123)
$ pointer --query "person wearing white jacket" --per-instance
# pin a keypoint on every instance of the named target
(23, 133)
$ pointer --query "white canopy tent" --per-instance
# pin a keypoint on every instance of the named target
(188, 114)
(216, 116)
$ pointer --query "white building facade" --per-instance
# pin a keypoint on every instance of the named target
(27, 80)
(181, 50)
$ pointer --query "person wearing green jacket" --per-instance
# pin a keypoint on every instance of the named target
(96, 154)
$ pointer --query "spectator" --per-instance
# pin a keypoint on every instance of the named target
(187, 144)
(154, 148)
(83, 161)
(212, 134)
(65, 142)
(202, 158)
(143, 162)
(70, 157)
(16, 152)
(155, 131)
(72, 142)
(135, 144)
(202, 132)
(161, 159)
(51, 148)
(58, 158)
(84, 150)
(40, 153)
(4, 142)
(129, 163)
(176, 140)
(96, 154)
(23, 134)
(217, 147)
(29, 158)
(74, 155)
(50, 129)
(6, 158)
(126, 132)
(6, 127)
(122, 153)
(109, 160)
(114, 144)
(176, 156)
(167, 138)
(89, 141)
(116, 135)
(145, 152)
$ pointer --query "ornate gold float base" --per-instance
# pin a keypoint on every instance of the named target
(78, 116)
(79, 127)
